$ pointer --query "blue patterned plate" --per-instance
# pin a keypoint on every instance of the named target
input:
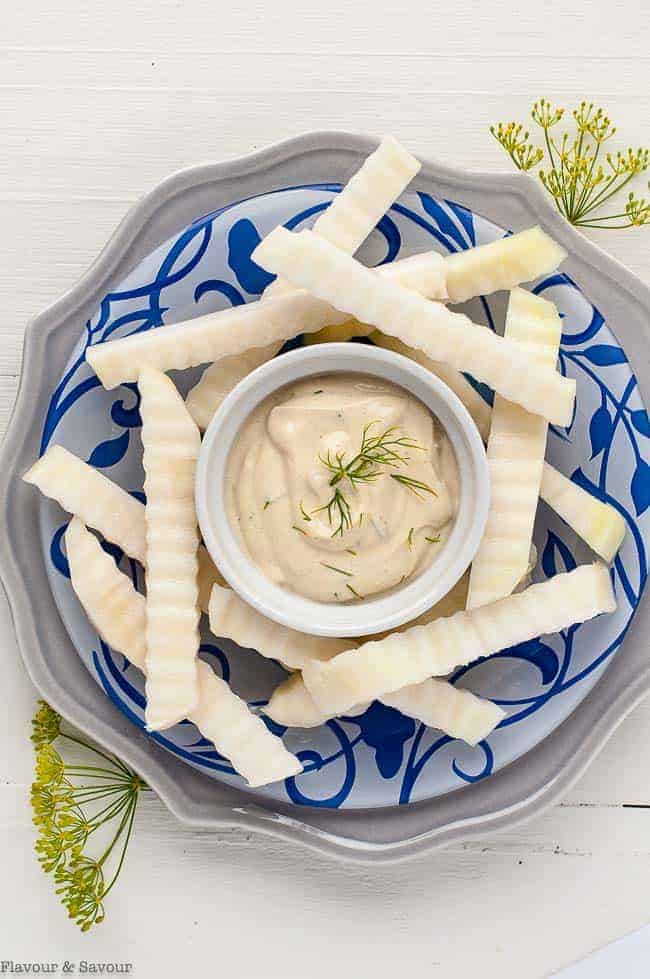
(381, 758)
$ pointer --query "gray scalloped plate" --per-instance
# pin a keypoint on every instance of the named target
(369, 823)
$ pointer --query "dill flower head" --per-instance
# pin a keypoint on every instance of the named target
(573, 172)
(46, 725)
(69, 803)
(49, 767)
(81, 887)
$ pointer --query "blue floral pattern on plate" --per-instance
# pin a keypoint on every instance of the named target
(381, 757)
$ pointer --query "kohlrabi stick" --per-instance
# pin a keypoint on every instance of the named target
(378, 668)
(118, 612)
(171, 443)
(515, 452)
(598, 523)
(232, 618)
(103, 505)
(437, 703)
(347, 222)
(331, 275)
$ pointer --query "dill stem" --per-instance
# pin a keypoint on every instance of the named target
(129, 807)
(584, 197)
(574, 181)
(87, 791)
(111, 759)
(608, 217)
(85, 796)
(93, 772)
(603, 196)
(549, 149)
(109, 812)
(83, 790)
(564, 171)
(603, 227)
(124, 848)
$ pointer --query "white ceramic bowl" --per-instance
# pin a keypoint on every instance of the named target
(385, 611)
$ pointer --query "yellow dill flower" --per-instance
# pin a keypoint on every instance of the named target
(573, 171)
(69, 803)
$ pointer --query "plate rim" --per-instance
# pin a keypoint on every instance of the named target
(519, 791)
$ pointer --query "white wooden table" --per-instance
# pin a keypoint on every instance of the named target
(98, 102)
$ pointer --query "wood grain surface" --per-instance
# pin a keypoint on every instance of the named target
(98, 102)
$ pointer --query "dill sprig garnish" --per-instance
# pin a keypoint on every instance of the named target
(433, 540)
(305, 515)
(374, 452)
(299, 529)
(353, 590)
(416, 486)
(339, 505)
(70, 803)
(409, 539)
(578, 175)
(332, 567)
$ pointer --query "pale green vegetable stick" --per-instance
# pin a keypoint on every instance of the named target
(103, 505)
(437, 703)
(118, 613)
(333, 276)
(515, 452)
(378, 668)
(347, 222)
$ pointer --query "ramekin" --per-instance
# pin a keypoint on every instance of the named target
(374, 614)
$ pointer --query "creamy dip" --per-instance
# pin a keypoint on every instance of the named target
(341, 486)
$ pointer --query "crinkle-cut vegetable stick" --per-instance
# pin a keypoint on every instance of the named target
(118, 612)
(364, 199)
(367, 196)
(347, 222)
(437, 703)
(420, 273)
(235, 330)
(102, 504)
(598, 523)
(231, 618)
(96, 499)
(478, 271)
(515, 453)
(219, 379)
(340, 333)
(292, 705)
(208, 576)
(377, 668)
(457, 712)
(225, 719)
(454, 601)
(108, 596)
(502, 264)
(330, 274)
(171, 444)
(209, 338)
(475, 404)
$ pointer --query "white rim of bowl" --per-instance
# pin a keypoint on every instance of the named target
(387, 610)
